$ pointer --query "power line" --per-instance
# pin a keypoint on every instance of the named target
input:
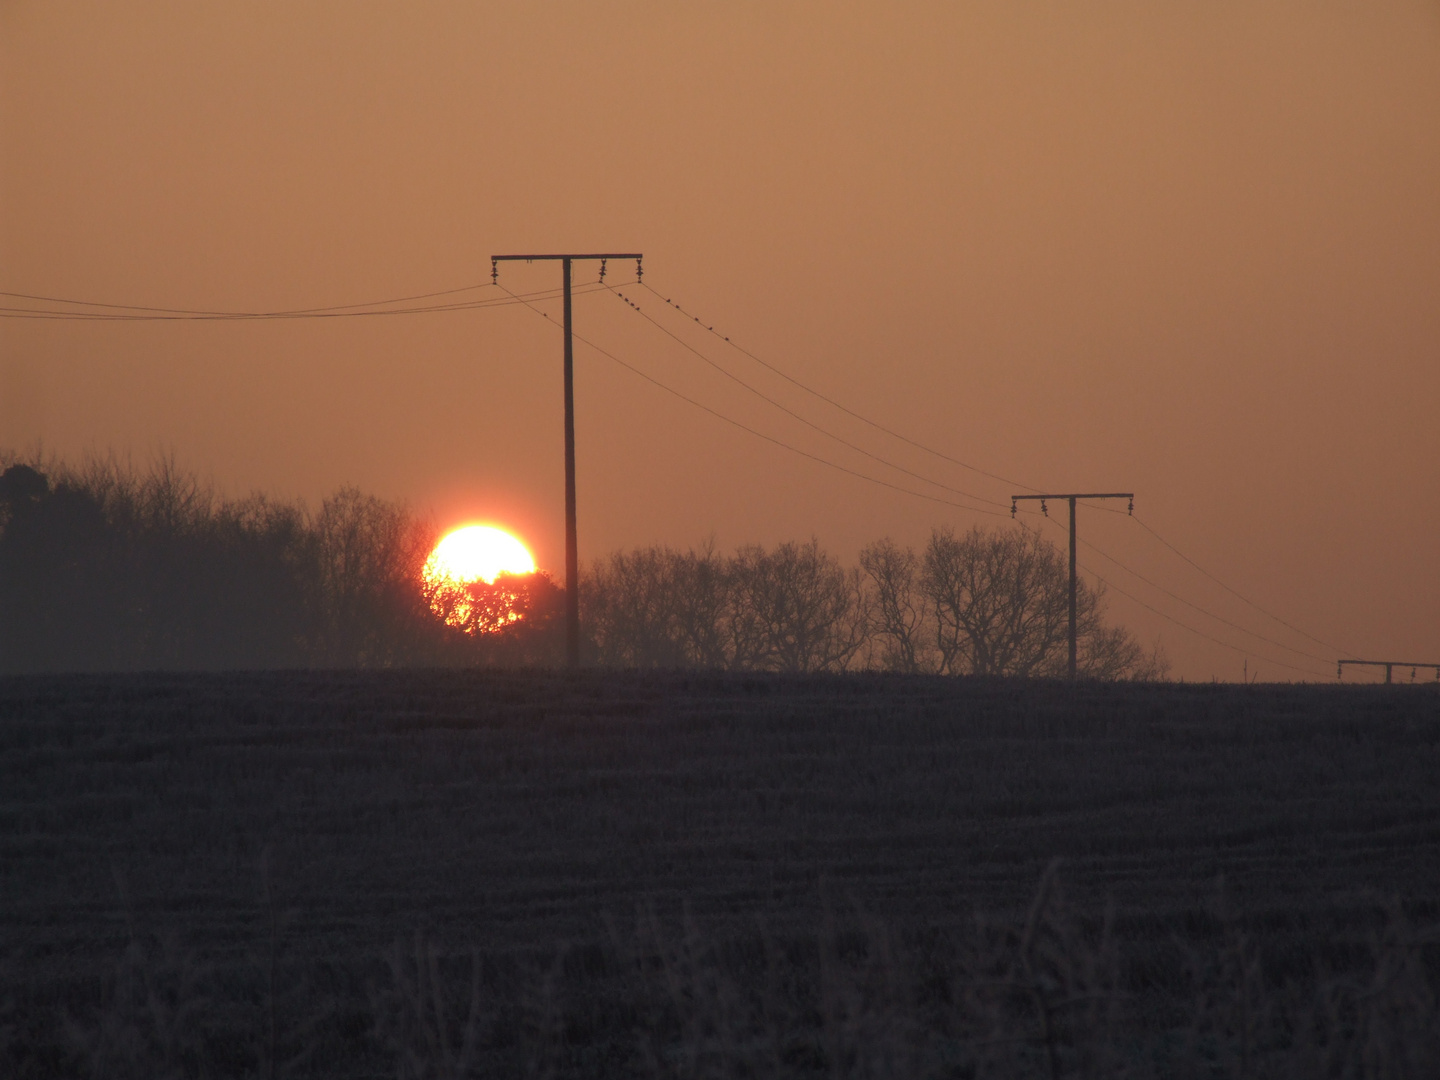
(1233, 592)
(946, 457)
(1181, 623)
(760, 434)
(832, 402)
(1193, 630)
(194, 311)
(111, 312)
(792, 413)
(43, 314)
(1095, 505)
(1201, 610)
(128, 313)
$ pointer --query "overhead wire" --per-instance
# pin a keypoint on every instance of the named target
(1209, 637)
(831, 401)
(1201, 610)
(753, 431)
(113, 312)
(1233, 592)
(43, 314)
(894, 434)
(136, 313)
(1180, 622)
(710, 329)
(797, 416)
(198, 311)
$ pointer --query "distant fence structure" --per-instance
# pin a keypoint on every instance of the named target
(1388, 665)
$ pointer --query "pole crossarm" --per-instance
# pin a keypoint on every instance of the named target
(572, 545)
(1077, 495)
(574, 258)
(1388, 665)
(590, 256)
(1072, 497)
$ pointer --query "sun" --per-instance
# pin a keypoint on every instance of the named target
(461, 576)
(477, 553)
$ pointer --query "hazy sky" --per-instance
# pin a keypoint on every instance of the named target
(1189, 249)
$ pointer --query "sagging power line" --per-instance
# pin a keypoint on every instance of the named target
(1239, 596)
(739, 425)
(796, 416)
(78, 310)
(831, 401)
(825, 461)
(692, 319)
(1196, 607)
(96, 311)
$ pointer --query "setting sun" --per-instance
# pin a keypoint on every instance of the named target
(461, 578)
(477, 553)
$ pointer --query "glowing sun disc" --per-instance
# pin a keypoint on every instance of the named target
(478, 553)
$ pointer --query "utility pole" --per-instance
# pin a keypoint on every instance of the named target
(1388, 665)
(572, 549)
(1045, 509)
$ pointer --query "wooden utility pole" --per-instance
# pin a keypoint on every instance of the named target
(572, 549)
(1044, 508)
(1388, 665)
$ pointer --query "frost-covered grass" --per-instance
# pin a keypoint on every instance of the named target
(512, 873)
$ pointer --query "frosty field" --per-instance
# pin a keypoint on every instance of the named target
(688, 874)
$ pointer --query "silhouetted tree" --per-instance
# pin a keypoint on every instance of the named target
(367, 590)
(105, 569)
(516, 604)
(702, 584)
(102, 568)
(898, 622)
(632, 606)
(795, 609)
(657, 607)
(61, 575)
(1000, 603)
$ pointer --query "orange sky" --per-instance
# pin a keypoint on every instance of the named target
(1189, 249)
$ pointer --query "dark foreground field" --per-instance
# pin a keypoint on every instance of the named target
(453, 874)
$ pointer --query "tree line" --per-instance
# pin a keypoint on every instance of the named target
(983, 602)
(105, 568)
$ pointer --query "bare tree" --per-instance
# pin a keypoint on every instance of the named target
(1000, 603)
(898, 620)
(700, 581)
(658, 607)
(1111, 652)
(796, 609)
(632, 604)
(172, 575)
(994, 614)
(369, 554)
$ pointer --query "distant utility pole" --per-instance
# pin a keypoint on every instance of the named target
(1388, 665)
(1045, 509)
(572, 551)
